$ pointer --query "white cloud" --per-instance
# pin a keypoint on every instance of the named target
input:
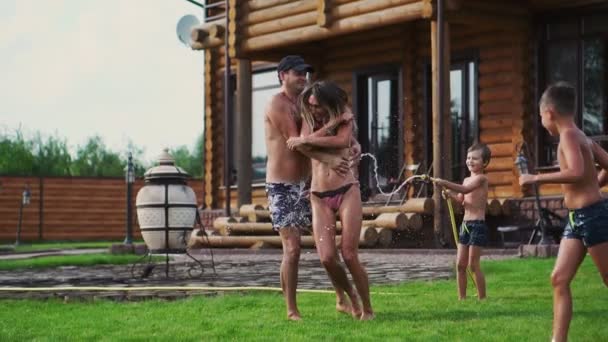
(111, 68)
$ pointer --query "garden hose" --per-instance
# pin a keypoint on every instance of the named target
(148, 288)
(168, 288)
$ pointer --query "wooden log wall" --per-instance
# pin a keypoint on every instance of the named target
(271, 24)
(505, 81)
(505, 89)
(346, 54)
(72, 208)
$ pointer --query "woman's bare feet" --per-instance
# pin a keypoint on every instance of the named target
(367, 316)
(355, 305)
(343, 306)
(294, 316)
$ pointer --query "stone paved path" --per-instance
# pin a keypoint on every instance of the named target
(240, 268)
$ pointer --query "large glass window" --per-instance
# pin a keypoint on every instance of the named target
(464, 118)
(575, 51)
(463, 110)
(264, 85)
(379, 117)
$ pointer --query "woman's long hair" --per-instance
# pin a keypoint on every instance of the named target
(329, 96)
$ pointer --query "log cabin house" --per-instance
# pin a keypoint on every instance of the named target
(426, 78)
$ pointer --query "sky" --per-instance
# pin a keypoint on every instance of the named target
(113, 68)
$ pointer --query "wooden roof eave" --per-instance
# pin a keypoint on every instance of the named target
(325, 27)
(483, 13)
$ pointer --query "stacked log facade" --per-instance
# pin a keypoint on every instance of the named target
(327, 37)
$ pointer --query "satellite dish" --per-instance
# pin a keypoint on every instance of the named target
(184, 28)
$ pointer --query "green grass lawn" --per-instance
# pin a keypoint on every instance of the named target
(71, 260)
(518, 308)
(40, 246)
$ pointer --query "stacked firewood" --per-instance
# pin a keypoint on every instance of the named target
(383, 226)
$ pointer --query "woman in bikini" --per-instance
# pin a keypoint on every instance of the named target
(332, 193)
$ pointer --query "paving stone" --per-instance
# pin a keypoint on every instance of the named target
(242, 269)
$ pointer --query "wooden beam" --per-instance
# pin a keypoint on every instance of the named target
(207, 36)
(256, 5)
(207, 43)
(481, 19)
(440, 119)
(420, 9)
(243, 129)
(280, 24)
(557, 4)
(283, 11)
(511, 7)
(300, 14)
(211, 81)
(366, 6)
(233, 30)
(323, 13)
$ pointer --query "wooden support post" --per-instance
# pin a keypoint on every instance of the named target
(227, 122)
(243, 129)
(441, 95)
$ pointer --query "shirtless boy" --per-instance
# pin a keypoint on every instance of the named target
(587, 229)
(473, 194)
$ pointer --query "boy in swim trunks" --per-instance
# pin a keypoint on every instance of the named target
(587, 229)
(473, 235)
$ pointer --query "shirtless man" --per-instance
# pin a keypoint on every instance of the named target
(287, 172)
(587, 229)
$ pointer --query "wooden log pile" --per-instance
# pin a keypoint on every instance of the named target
(408, 224)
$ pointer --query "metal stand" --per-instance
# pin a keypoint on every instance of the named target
(147, 271)
(18, 238)
(196, 269)
(543, 225)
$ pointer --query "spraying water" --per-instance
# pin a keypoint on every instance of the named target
(404, 183)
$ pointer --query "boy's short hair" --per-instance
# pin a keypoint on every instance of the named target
(561, 96)
(486, 154)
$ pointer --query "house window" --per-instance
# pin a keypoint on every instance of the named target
(574, 50)
(265, 84)
(464, 118)
(463, 112)
(378, 113)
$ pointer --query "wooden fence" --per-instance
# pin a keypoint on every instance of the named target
(70, 208)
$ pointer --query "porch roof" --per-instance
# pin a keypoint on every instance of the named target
(258, 25)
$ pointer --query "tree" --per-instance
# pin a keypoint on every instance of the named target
(16, 157)
(94, 159)
(198, 157)
(137, 153)
(52, 157)
(190, 162)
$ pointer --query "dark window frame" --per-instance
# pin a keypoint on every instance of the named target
(260, 70)
(543, 141)
(457, 58)
(360, 104)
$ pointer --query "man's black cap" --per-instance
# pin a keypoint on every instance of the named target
(294, 62)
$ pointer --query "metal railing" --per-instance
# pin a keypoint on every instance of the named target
(214, 9)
